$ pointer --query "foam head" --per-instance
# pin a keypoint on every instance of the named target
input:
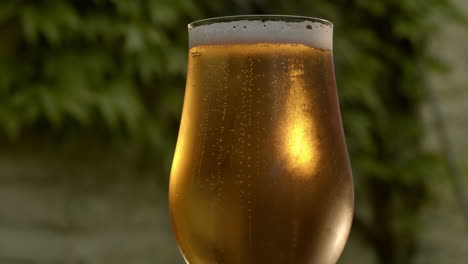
(312, 32)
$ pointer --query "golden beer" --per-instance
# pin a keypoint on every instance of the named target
(261, 172)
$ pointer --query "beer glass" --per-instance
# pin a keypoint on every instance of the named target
(261, 172)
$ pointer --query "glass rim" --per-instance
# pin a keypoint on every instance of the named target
(285, 18)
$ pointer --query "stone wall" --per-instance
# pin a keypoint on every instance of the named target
(59, 208)
(445, 236)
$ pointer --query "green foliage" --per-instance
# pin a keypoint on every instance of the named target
(112, 67)
(116, 68)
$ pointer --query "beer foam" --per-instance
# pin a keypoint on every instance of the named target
(311, 33)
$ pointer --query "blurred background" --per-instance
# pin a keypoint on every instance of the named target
(90, 100)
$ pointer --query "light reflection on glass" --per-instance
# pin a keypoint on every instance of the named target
(298, 131)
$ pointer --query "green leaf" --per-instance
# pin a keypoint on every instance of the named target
(49, 105)
(29, 24)
(10, 126)
(163, 14)
(134, 40)
(50, 30)
(76, 110)
(107, 111)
